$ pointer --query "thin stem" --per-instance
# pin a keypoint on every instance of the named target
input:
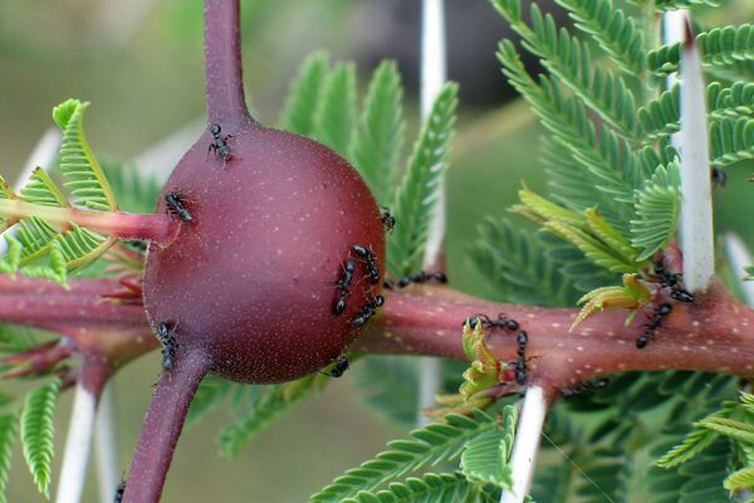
(162, 427)
(80, 430)
(651, 32)
(157, 228)
(697, 230)
(223, 68)
(433, 77)
(533, 412)
(106, 445)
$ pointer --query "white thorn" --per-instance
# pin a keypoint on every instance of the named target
(106, 445)
(433, 76)
(80, 430)
(530, 423)
(697, 231)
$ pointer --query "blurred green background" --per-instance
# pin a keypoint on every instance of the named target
(140, 63)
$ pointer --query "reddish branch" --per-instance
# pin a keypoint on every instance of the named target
(713, 334)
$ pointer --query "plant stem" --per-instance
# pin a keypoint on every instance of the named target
(156, 228)
(714, 334)
(106, 445)
(530, 422)
(697, 230)
(433, 77)
(223, 68)
(162, 427)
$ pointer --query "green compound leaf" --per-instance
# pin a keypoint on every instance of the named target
(657, 208)
(37, 430)
(740, 480)
(81, 170)
(303, 99)
(273, 402)
(731, 141)
(485, 458)
(725, 46)
(336, 114)
(737, 430)
(379, 140)
(40, 189)
(667, 5)
(8, 430)
(430, 445)
(569, 60)
(614, 31)
(515, 262)
(417, 196)
(431, 488)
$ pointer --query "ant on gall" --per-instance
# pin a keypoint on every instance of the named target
(349, 266)
(371, 260)
(369, 310)
(219, 143)
(339, 368)
(672, 281)
(176, 206)
(388, 220)
(166, 338)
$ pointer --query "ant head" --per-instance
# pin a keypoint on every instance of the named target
(215, 129)
(162, 329)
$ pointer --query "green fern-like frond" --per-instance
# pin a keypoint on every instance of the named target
(740, 480)
(615, 32)
(720, 46)
(272, 403)
(731, 141)
(430, 445)
(667, 5)
(389, 386)
(81, 246)
(431, 488)
(694, 443)
(5, 193)
(301, 105)
(485, 458)
(37, 429)
(55, 270)
(81, 170)
(379, 139)
(134, 191)
(569, 60)
(336, 114)
(516, 264)
(8, 429)
(40, 189)
(605, 159)
(416, 197)
(734, 101)
(657, 208)
(732, 428)
(209, 395)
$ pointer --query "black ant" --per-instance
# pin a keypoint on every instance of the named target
(719, 177)
(388, 284)
(371, 260)
(500, 322)
(166, 338)
(175, 204)
(672, 281)
(584, 388)
(349, 266)
(522, 339)
(219, 143)
(369, 310)
(654, 323)
(339, 368)
(422, 277)
(388, 220)
(119, 492)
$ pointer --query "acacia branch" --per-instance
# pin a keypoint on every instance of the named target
(157, 228)
(713, 334)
